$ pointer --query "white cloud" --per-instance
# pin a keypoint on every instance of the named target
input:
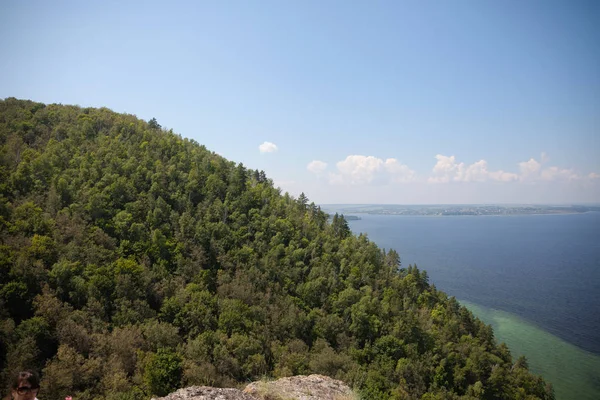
(553, 173)
(533, 171)
(529, 169)
(267, 147)
(316, 167)
(503, 176)
(369, 170)
(534, 180)
(361, 170)
(357, 170)
(447, 169)
(399, 173)
(478, 172)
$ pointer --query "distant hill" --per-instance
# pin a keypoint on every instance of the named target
(135, 262)
(455, 209)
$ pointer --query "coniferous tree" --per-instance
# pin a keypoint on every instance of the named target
(133, 262)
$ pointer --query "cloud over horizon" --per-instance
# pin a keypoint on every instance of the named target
(316, 167)
(447, 169)
(370, 170)
(533, 170)
(360, 170)
(267, 147)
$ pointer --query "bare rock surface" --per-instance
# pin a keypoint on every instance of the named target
(311, 387)
(206, 393)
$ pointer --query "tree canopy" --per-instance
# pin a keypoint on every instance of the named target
(135, 261)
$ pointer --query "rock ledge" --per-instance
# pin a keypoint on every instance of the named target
(206, 393)
(312, 387)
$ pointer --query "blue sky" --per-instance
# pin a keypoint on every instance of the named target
(363, 102)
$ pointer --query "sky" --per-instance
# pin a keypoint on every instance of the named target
(399, 102)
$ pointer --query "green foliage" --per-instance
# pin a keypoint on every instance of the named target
(133, 261)
(163, 372)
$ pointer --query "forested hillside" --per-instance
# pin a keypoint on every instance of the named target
(134, 262)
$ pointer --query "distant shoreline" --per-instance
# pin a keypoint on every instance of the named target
(460, 210)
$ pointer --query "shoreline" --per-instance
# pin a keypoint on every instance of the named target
(570, 369)
(401, 214)
(459, 210)
(356, 213)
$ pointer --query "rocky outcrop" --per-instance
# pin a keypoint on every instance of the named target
(312, 387)
(206, 393)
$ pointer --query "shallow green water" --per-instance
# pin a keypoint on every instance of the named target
(574, 373)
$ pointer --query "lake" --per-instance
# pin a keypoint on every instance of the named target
(534, 278)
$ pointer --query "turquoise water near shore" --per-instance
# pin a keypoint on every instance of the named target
(534, 278)
(574, 373)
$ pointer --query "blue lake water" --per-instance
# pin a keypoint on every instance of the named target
(542, 269)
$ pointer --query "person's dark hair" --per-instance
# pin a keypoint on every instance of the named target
(26, 376)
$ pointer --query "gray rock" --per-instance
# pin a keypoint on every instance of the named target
(206, 393)
(312, 387)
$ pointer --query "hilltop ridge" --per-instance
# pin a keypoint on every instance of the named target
(135, 262)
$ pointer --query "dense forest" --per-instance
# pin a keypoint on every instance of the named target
(134, 262)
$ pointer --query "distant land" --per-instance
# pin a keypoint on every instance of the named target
(457, 209)
(348, 217)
